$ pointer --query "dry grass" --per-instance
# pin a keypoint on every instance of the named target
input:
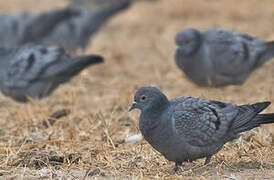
(138, 48)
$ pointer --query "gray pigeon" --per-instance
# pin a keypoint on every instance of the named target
(88, 3)
(98, 3)
(76, 33)
(36, 70)
(218, 57)
(20, 28)
(187, 128)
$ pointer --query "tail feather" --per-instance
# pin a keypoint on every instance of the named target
(76, 65)
(69, 67)
(90, 59)
(268, 54)
(265, 118)
(249, 117)
(257, 121)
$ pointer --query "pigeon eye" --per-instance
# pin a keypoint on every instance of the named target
(143, 98)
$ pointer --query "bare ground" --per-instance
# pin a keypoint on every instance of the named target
(138, 48)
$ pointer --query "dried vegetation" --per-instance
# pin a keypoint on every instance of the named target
(77, 131)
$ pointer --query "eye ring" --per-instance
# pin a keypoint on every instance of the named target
(143, 98)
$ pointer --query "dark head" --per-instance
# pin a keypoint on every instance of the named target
(187, 42)
(149, 98)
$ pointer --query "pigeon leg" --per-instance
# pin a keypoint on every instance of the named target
(176, 167)
(207, 160)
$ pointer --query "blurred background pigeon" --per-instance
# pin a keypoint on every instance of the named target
(97, 3)
(187, 128)
(36, 70)
(20, 28)
(92, 3)
(218, 57)
(76, 33)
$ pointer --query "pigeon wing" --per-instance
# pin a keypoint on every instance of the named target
(26, 64)
(232, 53)
(202, 122)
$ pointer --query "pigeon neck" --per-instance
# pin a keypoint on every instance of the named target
(156, 111)
(151, 118)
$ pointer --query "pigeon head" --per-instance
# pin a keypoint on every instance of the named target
(187, 42)
(149, 98)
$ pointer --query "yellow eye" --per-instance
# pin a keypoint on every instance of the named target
(143, 98)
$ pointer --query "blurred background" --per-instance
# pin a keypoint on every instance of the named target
(138, 46)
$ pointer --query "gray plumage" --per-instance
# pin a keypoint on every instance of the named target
(98, 3)
(218, 57)
(36, 70)
(187, 128)
(90, 3)
(76, 33)
(20, 28)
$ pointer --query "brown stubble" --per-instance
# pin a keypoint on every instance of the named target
(138, 49)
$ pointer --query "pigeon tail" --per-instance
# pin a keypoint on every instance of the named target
(45, 23)
(268, 54)
(90, 59)
(248, 123)
(101, 16)
(76, 65)
(66, 69)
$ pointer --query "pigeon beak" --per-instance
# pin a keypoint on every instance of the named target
(133, 106)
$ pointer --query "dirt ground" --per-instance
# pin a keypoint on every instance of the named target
(138, 49)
